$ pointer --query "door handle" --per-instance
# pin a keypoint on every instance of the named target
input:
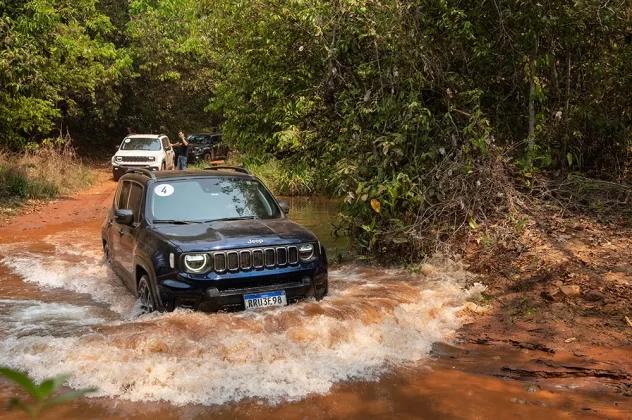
(121, 232)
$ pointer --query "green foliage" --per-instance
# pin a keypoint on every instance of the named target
(55, 67)
(406, 109)
(42, 394)
(285, 179)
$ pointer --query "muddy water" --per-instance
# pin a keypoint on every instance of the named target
(361, 352)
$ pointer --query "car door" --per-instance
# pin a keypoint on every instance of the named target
(114, 229)
(169, 153)
(127, 238)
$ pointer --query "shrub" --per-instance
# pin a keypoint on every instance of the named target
(44, 172)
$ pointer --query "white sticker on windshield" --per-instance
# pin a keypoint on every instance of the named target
(128, 140)
(164, 190)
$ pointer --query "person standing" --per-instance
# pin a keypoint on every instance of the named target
(181, 151)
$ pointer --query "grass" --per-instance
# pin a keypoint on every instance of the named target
(281, 178)
(43, 173)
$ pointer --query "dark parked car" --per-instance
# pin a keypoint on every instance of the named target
(205, 147)
(209, 240)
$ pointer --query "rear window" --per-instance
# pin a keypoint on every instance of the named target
(140, 143)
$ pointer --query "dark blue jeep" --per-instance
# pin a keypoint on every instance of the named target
(209, 240)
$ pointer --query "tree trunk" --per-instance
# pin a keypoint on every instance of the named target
(531, 138)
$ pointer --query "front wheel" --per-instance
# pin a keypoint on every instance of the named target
(145, 297)
(323, 292)
(106, 253)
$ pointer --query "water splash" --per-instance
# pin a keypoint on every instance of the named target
(373, 321)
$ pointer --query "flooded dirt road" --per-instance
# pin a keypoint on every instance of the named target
(368, 350)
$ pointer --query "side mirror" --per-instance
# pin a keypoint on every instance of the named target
(285, 206)
(117, 147)
(124, 216)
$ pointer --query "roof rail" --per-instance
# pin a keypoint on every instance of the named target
(233, 168)
(143, 171)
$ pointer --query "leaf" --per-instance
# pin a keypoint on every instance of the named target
(22, 380)
(14, 402)
(400, 240)
(375, 205)
(68, 397)
(364, 197)
(569, 158)
(50, 385)
(473, 224)
(521, 224)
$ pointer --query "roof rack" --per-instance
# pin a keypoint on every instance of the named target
(143, 171)
(232, 168)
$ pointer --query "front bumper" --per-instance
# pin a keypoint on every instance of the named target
(122, 169)
(228, 295)
(195, 157)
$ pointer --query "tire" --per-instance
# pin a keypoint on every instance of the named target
(107, 256)
(321, 295)
(115, 177)
(145, 297)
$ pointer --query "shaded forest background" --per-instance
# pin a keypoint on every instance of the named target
(427, 116)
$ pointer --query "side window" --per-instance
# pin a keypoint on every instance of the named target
(121, 199)
(165, 144)
(135, 201)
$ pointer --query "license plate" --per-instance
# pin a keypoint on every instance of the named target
(263, 300)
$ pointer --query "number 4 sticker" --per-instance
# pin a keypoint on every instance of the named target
(164, 190)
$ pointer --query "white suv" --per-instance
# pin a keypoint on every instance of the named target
(149, 151)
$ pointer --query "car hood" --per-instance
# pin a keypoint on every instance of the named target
(234, 234)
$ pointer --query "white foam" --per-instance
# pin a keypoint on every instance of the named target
(68, 268)
(20, 317)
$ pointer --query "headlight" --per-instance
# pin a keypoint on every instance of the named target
(196, 263)
(151, 158)
(306, 252)
(118, 159)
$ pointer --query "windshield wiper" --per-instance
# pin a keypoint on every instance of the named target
(228, 219)
(176, 222)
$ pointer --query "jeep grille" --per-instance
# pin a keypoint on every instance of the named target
(248, 259)
(136, 159)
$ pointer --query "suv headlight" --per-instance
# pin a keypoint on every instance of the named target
(306, 252)
(118, 159)
(152, 158)
(197, 263)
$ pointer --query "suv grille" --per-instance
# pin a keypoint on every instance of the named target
(247, 259)
(136, 159)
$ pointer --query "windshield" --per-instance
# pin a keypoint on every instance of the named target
(209, 199)
(140, 143)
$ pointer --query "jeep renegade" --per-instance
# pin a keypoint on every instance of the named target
(209, 240)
